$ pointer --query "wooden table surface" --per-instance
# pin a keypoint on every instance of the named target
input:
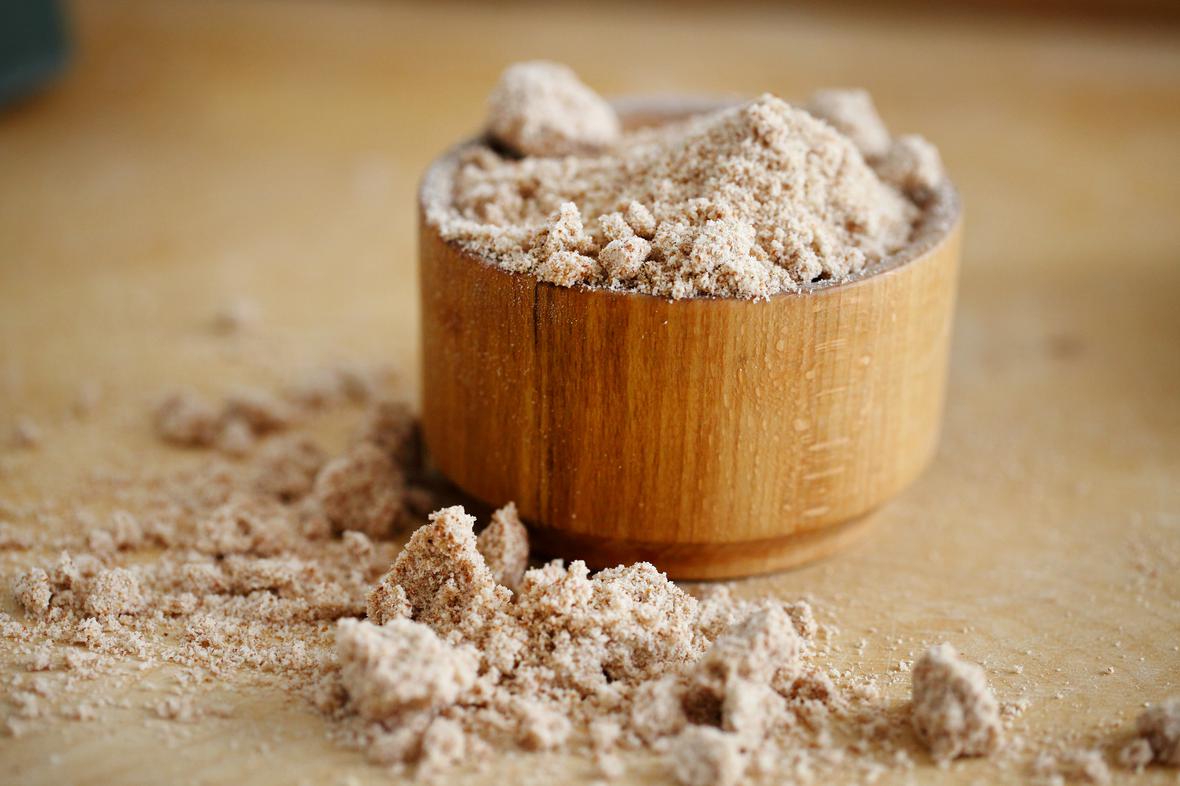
(197, 152)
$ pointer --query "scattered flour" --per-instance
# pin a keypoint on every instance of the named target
(186, 418)
(1074, 765)
(361, 490)
(569, 655)
(26, 433)
(955, 713)
(285, 566)
(1159, 727)
(542, 109)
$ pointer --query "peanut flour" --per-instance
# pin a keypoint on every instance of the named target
(284, 563)
(288, 566)
(747, 201)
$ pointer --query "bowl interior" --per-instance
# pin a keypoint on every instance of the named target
(941, 214)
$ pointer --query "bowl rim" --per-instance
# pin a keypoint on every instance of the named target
(941, 220)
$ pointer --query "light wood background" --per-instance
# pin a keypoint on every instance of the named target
(200, 151)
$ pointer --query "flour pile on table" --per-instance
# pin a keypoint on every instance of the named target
(453, 664)
(274, 563)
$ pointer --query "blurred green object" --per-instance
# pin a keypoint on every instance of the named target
(33, 46)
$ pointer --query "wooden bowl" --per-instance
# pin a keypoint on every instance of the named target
(712, 437)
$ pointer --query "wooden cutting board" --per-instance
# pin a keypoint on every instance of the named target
(196, 153)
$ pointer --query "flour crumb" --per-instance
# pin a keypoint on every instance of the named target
(26, 433)
(13, 538)
(180, 709)
(445, 579)
(1073, 765)
(362, 384)
(852, 113)
(559, 249)
(1136, 754)
(390, 425)
(604, 741)
(314, 389)
(622, 259)
(114, 592)
(287, 466)
(540, 728)
(185, 418)
(361, 490)
(657, 711)
(1159, 725)
(504, 544)
(705, 756)
(358, 545)
(640, 219)
(729, 687)
(235, 437)
(954, 711)
(41, 660)
(621, 657)
(912, 165)
(125, 531)
(244, 525)
(262, 411)
(565, 268)
(33, 592)
(387, 601)
(444, 745)
(540, 108)
(400, 667)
